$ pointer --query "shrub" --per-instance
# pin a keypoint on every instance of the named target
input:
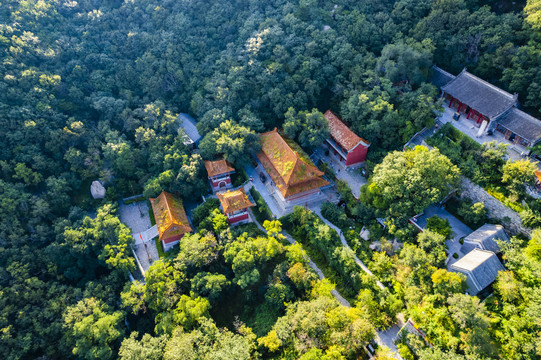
(327, 170)
(405, 352)
(455, 255)
(440, 226)
(201, 212)
(239, 177)
(336, 215)
(261, 211)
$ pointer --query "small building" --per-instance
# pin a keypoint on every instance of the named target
(484, 238)
(235, 205)
(187, 123)
(171, 219)
(480, 267)
(295, 178)
(344, 143)
(219, 174)
(519, 127)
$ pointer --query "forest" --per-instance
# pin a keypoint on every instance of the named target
(92, 90)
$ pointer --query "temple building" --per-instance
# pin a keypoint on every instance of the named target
(219, 174)
(235, 205)
(488, 107)
(292, 173)
(171, 219)
(345, 144)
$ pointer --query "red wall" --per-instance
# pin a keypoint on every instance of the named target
(216, 184)
(172, 239)
(238, 218)
(356, 155)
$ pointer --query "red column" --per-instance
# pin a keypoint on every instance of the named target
(469, 113)
(451, 102)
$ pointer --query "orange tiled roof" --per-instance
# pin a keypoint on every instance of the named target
(170, 215)
(234, 200)
(537, 174)
(290, 173)
(218, 167)
(341, 133)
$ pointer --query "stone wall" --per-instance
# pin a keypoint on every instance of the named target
(496, 210)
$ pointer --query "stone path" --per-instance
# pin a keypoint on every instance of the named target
(358, 261)
(264, 191)
(144, 249)
(383, 337)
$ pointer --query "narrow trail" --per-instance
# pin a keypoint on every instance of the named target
(383, 337)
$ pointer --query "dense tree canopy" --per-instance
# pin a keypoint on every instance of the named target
(91, 90)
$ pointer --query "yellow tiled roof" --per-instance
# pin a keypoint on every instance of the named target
(218, 167)
(234, 200)
(290, 173)
(170, 216)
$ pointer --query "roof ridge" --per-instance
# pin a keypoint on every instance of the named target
(437, 68)
(168, 207)
(494, 87)
(521, 112)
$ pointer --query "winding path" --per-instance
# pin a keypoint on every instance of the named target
(358, 261)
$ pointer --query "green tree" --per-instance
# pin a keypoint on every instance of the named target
(235, 142)
(309, 128)
(517, 174)
(407, 182)
(93, 329)
(149, 348)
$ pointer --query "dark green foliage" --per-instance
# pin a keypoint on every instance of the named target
(91, 90)
(473, 215)
(481, 163)
(336, 215)
(200, 213)
(439, 226)
(261, 211)
(239, 177)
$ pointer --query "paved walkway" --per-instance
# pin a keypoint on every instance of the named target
(136, 217)
(467, 126)
(264, 191)
(352, 177)
(383, 337)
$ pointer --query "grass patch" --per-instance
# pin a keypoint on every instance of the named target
(151, 215)
(158, 243)
(261, 211)
(159, 247)
(131, 201)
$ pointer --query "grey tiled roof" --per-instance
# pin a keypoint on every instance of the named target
(484, 238)
(480, 267)
(522, 124)
(188, 124)
(480, 95)
(440, 77)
